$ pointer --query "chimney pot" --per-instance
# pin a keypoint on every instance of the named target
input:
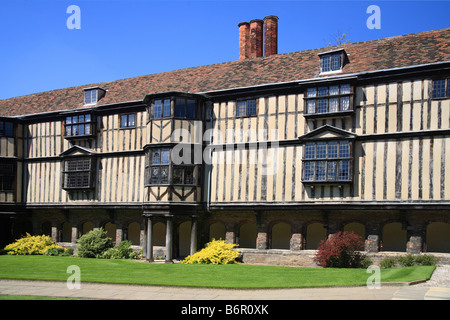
(270, 35)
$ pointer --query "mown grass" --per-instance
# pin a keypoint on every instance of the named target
(213, 276)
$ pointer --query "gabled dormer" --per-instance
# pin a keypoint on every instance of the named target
(78, 168)
(327, 156)
(333, 61)
(92, 95)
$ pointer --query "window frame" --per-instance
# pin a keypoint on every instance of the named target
(82, 172)
(151, 165)
(446, 89)
(171, 111)
(310, 162)
(127, 126)
(244, 104)
(330, 59)
(8, 177)
(84, 123)
(3, 129)
(319, 97)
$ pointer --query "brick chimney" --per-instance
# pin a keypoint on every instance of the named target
(244, 40)
(270, 35)
(256, 38)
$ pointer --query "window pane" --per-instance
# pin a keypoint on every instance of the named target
(154, 178)
(251, 107)
(334, 90)
(241, 109)
(331, 170)
(131, 120)
(311, 92)
(332, 149)
(439, 89)
(320, 170)
(345, 88)
(165, 156)
(310, 151)
(156, 156)
(123, 121)
(75, 119)
(180, 108)
(68, 130)
(344, 170)
(87, 97)
(334, 104)
(345, 103)
(344, 149)
(309, 171)
(177, 175)
(81, 119)
(323, 91)
(190, 108)
(448, 88)
(94, 96)
(336, 61)
(68, 120)
(325, 63)
(322, 105)
(87, 118)
(311, 106)
(87, 129)
(81, 130)
(9, 132)
(189, 175)
(321, 150)
(157, 109)
(166, 111)
(164, 175)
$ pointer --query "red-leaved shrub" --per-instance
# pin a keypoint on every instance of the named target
(340, 250)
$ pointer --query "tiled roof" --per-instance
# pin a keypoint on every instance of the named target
(401, 51)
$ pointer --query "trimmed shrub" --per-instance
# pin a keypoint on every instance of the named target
(32, 245)
(215, 252)
(409, 261)
(340, 250)
(121, 251)
(93, 244)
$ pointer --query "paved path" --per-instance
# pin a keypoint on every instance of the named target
(437, 288)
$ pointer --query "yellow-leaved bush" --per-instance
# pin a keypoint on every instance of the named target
(29, 245)
(215, 252)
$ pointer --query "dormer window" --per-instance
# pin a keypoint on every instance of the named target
(332, 61)
(93, 95)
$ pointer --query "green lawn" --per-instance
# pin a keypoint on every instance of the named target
(215, 276)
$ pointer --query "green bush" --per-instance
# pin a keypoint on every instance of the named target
(54, 251)
(93, 244)
(122, 251)
(215, 252)
(30, 245)
(409, 261)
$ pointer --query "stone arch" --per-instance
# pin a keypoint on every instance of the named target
(217, 230)
(394, 238)
(357, 228)
(438, 237)
(281, 235)
(46, 228)
(134, 233)
(248, 233)
(21, 227)
(184, 238)
(315, 232)
(66, 232)
(87, 226)
(110, 229)
(159, 234)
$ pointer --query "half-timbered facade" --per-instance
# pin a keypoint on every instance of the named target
(269, 152)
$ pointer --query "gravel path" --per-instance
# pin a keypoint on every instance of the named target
(440, 277)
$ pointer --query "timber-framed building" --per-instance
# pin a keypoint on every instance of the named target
(272, 151)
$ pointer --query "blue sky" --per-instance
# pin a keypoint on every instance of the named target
(126, 38)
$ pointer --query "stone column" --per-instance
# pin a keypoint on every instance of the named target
(169, 238)
(296, 242)
(74, 233)
(193, 247)
(415, 241)
(372, 242)
(149, 253)
(55, 231)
